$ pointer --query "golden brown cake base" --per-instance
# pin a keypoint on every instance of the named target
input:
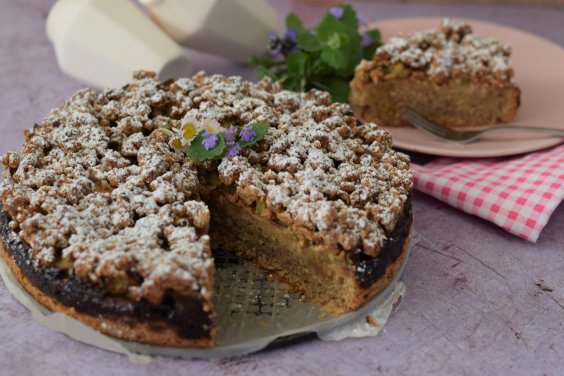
(326, 275)
(456, 104)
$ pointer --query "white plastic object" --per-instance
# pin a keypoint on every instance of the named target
(101, 42)
(234, 29)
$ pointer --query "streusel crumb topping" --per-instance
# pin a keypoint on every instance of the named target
(449, 51)
(97, 184)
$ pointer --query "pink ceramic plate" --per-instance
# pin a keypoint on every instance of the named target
(539, 72)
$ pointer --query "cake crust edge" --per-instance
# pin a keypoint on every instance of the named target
(133, 330)
(392, 269)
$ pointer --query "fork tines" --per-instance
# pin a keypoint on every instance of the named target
(420, 122)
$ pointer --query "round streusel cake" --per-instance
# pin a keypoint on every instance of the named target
(105, 220)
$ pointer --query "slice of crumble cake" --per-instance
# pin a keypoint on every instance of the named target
(450, 76)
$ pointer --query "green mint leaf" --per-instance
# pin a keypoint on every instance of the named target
(334, 41)
(339, 89)
(319, 85)
(198, 152)
(347, 25)
(375, 35)
(261, 61)
(296, 63)
(307, 41)
(349, 19)
(263, 72)
(328, 26)
(260, 129)
(320, 68)
(334, 58)
(368, 51)
(266, 67)
(292, 83)
(352, 51)
(292, 20)
(265, 61)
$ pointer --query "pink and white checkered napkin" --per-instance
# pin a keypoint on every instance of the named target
(518, 194)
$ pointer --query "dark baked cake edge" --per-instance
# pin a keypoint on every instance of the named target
(178, 321)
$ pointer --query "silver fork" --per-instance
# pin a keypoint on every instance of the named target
(467, 136)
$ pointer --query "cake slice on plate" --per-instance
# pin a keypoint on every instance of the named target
(450, 76)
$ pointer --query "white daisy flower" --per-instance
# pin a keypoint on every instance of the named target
(178, 143)
(189, 129)
(211, 126)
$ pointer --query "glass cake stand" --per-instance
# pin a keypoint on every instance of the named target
(253, 312)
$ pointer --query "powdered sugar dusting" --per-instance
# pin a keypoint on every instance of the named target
(92, 187)
(97, 186)
(322, 172)
(451, 50)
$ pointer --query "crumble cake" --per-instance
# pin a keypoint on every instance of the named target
(450, 76)
(106, 222)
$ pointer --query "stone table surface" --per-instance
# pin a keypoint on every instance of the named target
(479, 301)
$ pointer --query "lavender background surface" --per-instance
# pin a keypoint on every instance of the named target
(479, 301)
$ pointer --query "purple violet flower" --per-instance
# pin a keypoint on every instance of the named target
(248, 134)
(272, 36)
(336, 12)
(233, 150)
(361, 20)
(274, 44)
(229, 134)
(366, 40)
(210, 140)
(291, 34)
(274, 53)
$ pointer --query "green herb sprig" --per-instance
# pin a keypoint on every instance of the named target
(323, 57)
